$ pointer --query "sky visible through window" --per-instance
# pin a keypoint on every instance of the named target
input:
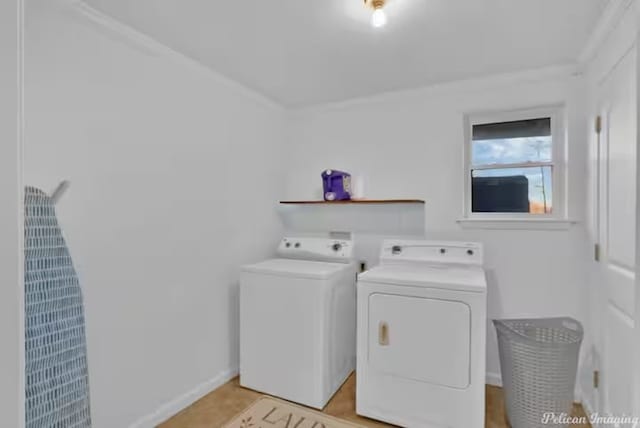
(518, 151)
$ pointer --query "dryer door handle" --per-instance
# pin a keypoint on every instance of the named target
(383, 333)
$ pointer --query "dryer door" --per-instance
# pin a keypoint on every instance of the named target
(417, 338)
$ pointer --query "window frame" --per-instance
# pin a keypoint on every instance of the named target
(558, 161)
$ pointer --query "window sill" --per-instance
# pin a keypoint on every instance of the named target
(516, 223)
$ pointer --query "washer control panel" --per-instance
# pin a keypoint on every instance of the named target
(320, 249)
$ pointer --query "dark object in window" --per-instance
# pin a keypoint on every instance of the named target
(500, 194)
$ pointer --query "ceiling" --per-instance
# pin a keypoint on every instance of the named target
(303, 52)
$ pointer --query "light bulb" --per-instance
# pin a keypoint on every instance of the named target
(379, 18)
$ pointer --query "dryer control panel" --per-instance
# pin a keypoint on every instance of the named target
(316, 249)
(448, 252)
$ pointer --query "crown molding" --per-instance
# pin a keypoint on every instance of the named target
(610, 17)
(563, 72)
(150, 46)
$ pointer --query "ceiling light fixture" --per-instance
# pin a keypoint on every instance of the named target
(379, 18)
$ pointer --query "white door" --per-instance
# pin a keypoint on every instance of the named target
(616, 212)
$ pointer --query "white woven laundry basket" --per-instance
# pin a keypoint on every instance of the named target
(539, 360)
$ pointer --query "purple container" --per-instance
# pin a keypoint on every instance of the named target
(336, 185)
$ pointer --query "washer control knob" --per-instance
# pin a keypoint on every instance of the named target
(396, 249)
(442, 250)
(288, 244)
(337, 246)
(297, 245)
(470, 252)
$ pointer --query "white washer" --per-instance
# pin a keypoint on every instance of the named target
(298, 321)
(422, 335)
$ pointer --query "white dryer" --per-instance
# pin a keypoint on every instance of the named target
(422, 335)
(298, 321)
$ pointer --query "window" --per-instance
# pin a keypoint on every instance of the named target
(514, 165)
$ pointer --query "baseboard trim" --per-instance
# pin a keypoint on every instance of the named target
(494, 379)
(174, 406)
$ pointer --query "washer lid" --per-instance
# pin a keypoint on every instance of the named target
(449, 277)
(296, 268)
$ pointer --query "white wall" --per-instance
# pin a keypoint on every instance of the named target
(410, 145)
(11, 291)
(174, 176)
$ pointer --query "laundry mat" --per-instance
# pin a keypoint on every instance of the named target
(268, 412)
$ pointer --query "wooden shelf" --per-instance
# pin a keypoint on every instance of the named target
(355, 202)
